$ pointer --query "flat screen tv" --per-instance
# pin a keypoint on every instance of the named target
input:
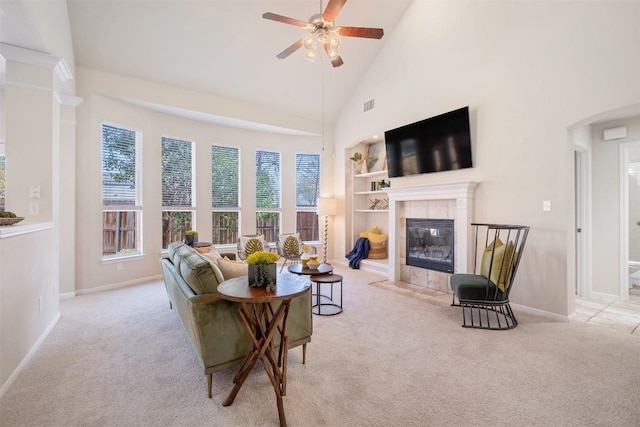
(436, 144)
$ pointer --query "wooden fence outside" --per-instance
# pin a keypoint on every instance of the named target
(119, 232)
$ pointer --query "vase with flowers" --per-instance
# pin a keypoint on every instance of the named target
(360, 164)
(262, 270)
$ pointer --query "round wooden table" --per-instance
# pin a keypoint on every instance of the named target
(300, 270)
(262, 320)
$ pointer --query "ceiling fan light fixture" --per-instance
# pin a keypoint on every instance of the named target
(309, 42)
(311, 55)
(334, 41)
(332, 53)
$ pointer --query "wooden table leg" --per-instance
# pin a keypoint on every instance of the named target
(262, 323)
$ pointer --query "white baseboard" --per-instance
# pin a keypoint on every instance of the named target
(67, 295)
(34, 349)
(538, 312)
(117, 285)
(605, 296)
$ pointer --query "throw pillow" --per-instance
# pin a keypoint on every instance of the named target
(374, 230)
(377, 238)
(491, 269)
(290, 244)
(252, 244)
(231, 269)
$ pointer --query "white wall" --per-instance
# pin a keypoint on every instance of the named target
(606, 204)
(97, 89)
(527, 70)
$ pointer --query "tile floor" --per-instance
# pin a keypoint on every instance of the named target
(622, 316)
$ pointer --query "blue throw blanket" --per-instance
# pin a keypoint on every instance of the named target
(359, 252)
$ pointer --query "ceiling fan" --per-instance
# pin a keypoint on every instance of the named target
(323, 32)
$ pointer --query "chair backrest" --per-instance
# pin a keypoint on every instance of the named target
(289, 245)
(498, 249)
(250, 243)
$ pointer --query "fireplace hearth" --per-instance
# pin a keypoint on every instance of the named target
(430, 244)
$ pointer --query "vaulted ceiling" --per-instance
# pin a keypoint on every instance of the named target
(225, 47)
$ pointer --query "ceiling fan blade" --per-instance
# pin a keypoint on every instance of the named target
(371, 33)
(336, 62)
(285, 19)
(332, 9)
(288, 51)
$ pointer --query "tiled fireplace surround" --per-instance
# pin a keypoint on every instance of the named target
(435, 201)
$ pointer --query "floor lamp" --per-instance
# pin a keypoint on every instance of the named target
(326, 207)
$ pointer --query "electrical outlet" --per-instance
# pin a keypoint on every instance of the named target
(119, 266)
(34, 208)
(546, 205)
(39, 303)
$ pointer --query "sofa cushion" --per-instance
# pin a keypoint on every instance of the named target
(231, 269)
(194, 268)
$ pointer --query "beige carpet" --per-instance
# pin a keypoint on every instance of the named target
(121, 358)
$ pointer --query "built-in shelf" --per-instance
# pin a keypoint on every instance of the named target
(370, 192)
(371, 174)
(372, 210)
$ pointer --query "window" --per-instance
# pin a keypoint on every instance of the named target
(224, 195)
(122, 210)
(177, 189)
(268, 194)
(307, 193)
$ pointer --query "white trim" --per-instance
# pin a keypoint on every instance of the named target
(71, 101)
(118, 285)
(28, 56)
(25, 361)
(20, 229)
(624, 218)
(462, 192)
(67, 295)
(538, 312)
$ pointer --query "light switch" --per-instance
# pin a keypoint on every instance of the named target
(34, 192)
(546, 205)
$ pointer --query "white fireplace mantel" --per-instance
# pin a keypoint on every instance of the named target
(462, 192)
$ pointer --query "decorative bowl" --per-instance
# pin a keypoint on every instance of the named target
(10, 221)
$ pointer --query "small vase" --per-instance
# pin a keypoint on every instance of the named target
(313, 263)
(306, 256)
(191, 240)
(262, 275)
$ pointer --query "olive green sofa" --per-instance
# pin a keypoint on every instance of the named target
(213, 325)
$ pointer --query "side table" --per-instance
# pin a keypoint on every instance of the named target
(262, 321)
(300, 270)
(321, 300)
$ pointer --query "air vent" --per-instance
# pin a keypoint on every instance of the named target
(369, 105)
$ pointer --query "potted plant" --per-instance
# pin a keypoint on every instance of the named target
(359, 161)
(191, 237)
(262, 270)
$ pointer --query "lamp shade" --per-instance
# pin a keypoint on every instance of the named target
(327, 206)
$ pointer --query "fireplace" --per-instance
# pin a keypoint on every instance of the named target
(430, 244)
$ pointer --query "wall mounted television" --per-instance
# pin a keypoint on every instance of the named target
(436, 144)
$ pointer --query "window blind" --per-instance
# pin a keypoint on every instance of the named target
(224, 177)
(118, 167)
(267, 180)
(177, 173)
(307, 180)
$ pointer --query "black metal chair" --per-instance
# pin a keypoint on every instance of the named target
(484, 295)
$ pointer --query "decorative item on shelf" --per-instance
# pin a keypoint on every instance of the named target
(378, 204)
(191, 237)
(313, 262)
(376, 157)
(360, 164)
(307, 251)
(262, 270)
(9, 218)
(384, 184)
